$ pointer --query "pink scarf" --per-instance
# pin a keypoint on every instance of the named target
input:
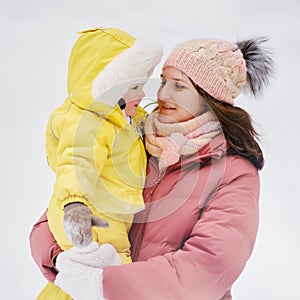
(169, 142)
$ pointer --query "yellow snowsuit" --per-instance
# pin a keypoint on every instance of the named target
(97, 156)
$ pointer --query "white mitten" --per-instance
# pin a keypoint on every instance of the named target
(80, 270)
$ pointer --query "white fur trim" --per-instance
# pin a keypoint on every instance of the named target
(127, 69)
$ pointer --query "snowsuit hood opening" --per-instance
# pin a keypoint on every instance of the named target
(105, 62)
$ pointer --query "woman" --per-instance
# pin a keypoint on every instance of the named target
(200, 223)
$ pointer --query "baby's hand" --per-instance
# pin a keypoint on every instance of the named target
(78, 222)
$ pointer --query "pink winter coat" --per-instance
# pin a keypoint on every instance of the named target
(181, 251)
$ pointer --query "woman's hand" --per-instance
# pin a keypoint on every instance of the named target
(80, 270)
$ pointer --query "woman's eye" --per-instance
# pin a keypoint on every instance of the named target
(179, 86)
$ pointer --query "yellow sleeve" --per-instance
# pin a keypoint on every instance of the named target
(76, 166)
(77, 171)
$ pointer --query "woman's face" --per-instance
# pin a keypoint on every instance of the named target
(133, 98)
(178, 100)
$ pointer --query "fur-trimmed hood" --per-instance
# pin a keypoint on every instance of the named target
(106, 62)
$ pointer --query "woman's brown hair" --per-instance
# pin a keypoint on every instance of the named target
(242, 138)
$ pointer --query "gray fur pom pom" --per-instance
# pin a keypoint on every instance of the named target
(259, 63)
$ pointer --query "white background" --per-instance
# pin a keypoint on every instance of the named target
(36, 39)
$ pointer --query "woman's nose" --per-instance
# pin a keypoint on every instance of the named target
(163, 94)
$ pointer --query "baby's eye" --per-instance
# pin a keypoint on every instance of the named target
(162, 81)
(135, 87)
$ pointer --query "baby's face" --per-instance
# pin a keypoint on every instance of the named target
(133, 98)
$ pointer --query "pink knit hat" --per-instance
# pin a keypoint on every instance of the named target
(218, 67)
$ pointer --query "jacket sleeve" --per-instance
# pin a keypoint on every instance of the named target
(212, 257)
(80, 156)
(44, 248)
